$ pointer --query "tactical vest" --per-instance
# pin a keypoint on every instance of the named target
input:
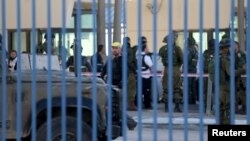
(164, 56)
(144, 65)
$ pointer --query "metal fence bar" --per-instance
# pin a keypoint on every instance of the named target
(34, 87)
(155, 94)
(248, 64)
(94, 90)
(125, 71)
(185, 66)
(201, 110)
(217, 61)
(232, 65)
(49, 83)
(110, 64)
(170, 71)
(4, 82)
(78, 52)
(19, 77)
(139, 66)
(63, 60)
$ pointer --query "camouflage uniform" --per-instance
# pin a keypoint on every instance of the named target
(208, 57)
(225, 81)
(177, 62)
(131, 83)
(240, 61)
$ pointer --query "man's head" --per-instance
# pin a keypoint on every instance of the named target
(126, 41)
(191, 41)
(13, 54)
(225, 45)
(144, 40)
(116, 48)
(144, 48)
(174, 37)
(211, 44)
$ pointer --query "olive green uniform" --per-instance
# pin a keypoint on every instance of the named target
(177, 62)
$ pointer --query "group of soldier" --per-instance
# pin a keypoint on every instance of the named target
(209, 68)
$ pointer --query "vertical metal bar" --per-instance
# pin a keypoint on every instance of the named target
(241, 23)
(125, 71)
(248, 64)
(49, 93)
(101, 24)
(63, 60)
(139, 65)
(185, 66)
(78, 52)
(217, 62)
(201, 73)
(117, 20)
(109, 71)
(94, 90)
(19, 77)
(232, 66)
(155, 95)
(170, 71)
(34, 88)
(4, 69)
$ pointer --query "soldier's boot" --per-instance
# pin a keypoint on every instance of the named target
(131, 123)
(177, 106)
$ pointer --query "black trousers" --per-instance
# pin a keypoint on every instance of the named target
(146, 91)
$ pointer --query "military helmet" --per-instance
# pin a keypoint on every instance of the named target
(174, 37)
(52, 36)
(225, 43)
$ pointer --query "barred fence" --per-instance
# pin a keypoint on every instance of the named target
(45, 98)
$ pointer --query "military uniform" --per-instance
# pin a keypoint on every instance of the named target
(177, 62)
(208, 57)
(240, 61)
(225, 81)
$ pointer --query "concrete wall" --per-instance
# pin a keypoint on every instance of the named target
(177, 18)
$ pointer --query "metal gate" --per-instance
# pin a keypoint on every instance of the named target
(48, 95)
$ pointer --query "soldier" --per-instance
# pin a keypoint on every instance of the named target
(192, 63)
(177, 62)
(225, 80)
(131, 83)
(240, 61)
(208, 56)
(42, 49)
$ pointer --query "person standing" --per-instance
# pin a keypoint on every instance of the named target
(131, 66)
(224, 70)
(177, 62)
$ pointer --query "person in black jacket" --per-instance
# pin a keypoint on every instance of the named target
(116, 66)
(84, 63)
(99, 59)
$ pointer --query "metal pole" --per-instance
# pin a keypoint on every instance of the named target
(241, 23)
(101, 24)
(117, 21)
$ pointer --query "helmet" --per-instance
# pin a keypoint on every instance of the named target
(191, 41)
(52, 36)
(174, 37)
(225, 43)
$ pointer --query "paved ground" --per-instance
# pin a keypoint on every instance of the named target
(158, 126)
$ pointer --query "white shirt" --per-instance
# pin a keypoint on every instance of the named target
(12, 64)
(148, 61)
